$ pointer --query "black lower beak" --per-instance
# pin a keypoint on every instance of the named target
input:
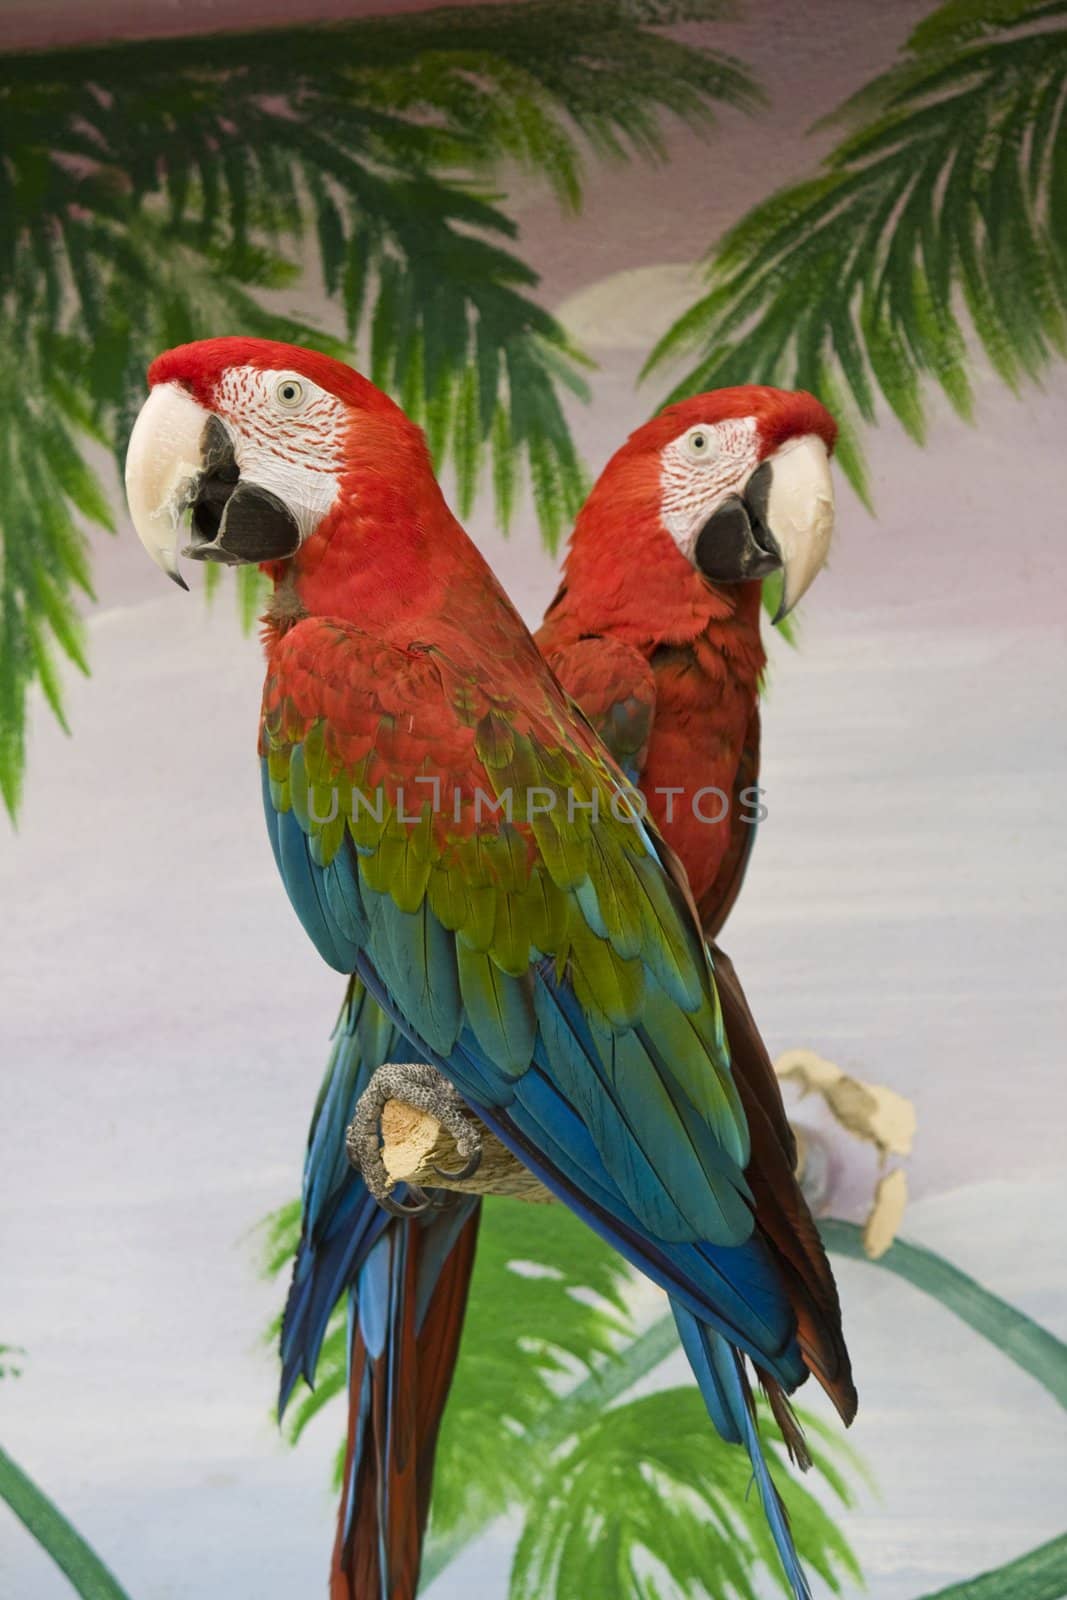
(234, 522)
(735, 543)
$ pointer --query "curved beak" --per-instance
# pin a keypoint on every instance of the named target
(800, 514)
(783, 522)
(182, 477)
(163, 463)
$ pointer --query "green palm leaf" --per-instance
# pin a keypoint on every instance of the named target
(11, 1360)
(1041, 1574)
(152, 192)
(615, 1496)
(58, 1538)
(939, 221)
(87, 1574)
(566, 1315)
(648, 1490)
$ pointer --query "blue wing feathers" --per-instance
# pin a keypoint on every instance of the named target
(270, 811)
(326, 1166)
(576, 1069)
(719, 1285)
(633, 1196)
(307, 891)
(500, 1012)
(341, 1221)
(636, 1124)
(344, 899)
(419, 965)
(321, 1273)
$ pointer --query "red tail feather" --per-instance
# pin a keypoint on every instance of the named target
(387, 1491)
(782, 1213)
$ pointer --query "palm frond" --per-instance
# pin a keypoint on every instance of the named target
(153, 192)
(648, 1492)
(1040, 1574)
(567, 1315)
(1033, 1348)
(43, 485)
(57, 1537)
(87, 379)
(939, 221)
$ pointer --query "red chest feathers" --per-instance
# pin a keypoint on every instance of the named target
(704, 718)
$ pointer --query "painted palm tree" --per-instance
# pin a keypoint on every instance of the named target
(157, 192)
(937, 224)
(43, 1520)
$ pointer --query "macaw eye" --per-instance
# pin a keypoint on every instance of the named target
(699, 444)
(289, 392)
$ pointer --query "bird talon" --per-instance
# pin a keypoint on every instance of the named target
(420, 1202)
(467, 1170)
(423, 1087)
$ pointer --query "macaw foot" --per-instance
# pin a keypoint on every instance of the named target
(867, 1111)
(422, 1087)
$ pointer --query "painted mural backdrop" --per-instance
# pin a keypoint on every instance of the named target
(156, 192)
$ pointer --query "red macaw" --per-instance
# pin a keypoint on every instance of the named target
(655, 629)
(548, 960)
(655, 632)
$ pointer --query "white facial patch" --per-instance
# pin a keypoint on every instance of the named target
(696, 481)
(288, 436)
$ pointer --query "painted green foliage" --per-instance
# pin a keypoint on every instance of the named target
(81, 1565)
(41, 1518)
(148, 198)
(938, 221)
(1039, 1575)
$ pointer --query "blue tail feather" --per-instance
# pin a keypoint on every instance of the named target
(717, 1368)
(390, 1269)
(321, 1274)
(341, 1221)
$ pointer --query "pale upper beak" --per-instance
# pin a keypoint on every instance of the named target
(800, 515)
(183, 479)
(782, 522)
(163, 464)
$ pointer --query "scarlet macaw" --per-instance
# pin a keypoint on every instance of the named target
(655, 632)
(548, 963)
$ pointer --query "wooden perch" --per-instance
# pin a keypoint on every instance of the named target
(414, 1145)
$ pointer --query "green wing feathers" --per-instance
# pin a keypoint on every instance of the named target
(480, 847)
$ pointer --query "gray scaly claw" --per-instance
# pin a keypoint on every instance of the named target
(417, 1202)
(423, 1087)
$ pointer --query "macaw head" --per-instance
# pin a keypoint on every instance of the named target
(244, 447)
(737, 480)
